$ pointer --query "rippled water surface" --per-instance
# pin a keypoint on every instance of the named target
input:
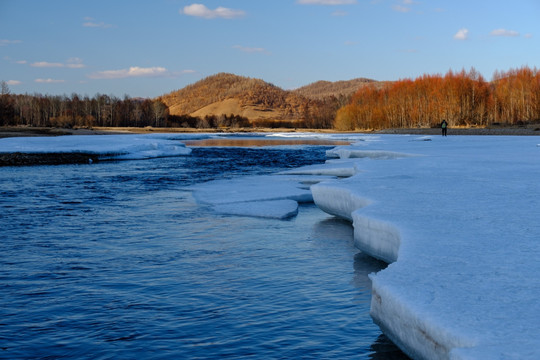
(116, 260)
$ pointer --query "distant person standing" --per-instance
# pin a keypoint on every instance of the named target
(444, 127)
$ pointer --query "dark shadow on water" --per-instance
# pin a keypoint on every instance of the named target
(384, 349)
(341, 231)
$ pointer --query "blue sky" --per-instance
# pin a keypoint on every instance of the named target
(149, 48)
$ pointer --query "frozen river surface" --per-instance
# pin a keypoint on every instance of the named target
(117, 260)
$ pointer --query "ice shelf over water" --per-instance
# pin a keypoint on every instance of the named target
(457, 218)
(459, 225)
(120, 147)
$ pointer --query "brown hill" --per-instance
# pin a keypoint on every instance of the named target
(324, 89)
(226, 94)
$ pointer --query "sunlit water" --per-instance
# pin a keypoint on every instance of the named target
(116, 260)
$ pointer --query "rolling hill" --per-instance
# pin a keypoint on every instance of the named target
(255, 99)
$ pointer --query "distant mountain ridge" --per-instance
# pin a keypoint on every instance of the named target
(255, 99)
(322, 88)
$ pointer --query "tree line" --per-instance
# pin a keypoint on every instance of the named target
(464, 98)
(64, 111)
(76, 111)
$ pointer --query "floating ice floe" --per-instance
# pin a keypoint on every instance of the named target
(271, 196)
(336, 168)
(459, 225)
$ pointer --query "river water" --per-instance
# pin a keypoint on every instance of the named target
(115, 260)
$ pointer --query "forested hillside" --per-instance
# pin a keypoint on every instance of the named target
(462, 98)
(344, 88)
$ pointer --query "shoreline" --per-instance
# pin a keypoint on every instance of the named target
(25, 159)
(22, 131)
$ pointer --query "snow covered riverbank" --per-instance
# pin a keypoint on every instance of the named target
(460, 224)
(457, 218)
(85, 148)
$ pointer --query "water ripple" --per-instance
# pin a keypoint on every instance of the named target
(115, 260)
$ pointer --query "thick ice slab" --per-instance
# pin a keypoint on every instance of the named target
(460, 224)
(273, 209)
(336, 168)
(271, 196)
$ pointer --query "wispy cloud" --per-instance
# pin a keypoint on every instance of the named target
(326, 2)
(200, 10)
(404, 6)
(462, 34)
(340, 13)
(49, 81)
(91, 23)
(46, 64)
(133, 71)
(401, 8)
(13, 82)
(248, 49)
(75, 63)
(528, 35)
(504, 32)
(5, 42)
(72, 63)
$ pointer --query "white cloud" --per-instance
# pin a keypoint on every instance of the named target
(400, 8)
(200, 10)
(462, 34)
(247, 49)
(326, 2)
(90, 22)
(528, 35)
(49, 81)
(504, 32)
(133, 71)
(46, 64)
(72, 63)
(13, 82)
(5, 42)
(75, 63)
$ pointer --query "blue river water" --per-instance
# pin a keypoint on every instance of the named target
(115, 260)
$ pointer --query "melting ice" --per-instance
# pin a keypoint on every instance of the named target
(457, 218)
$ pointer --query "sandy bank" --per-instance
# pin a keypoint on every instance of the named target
(45, 131)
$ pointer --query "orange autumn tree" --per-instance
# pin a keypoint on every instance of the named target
(516, 96)
(462, 98)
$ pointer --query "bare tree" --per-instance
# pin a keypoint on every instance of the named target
(5, 88)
